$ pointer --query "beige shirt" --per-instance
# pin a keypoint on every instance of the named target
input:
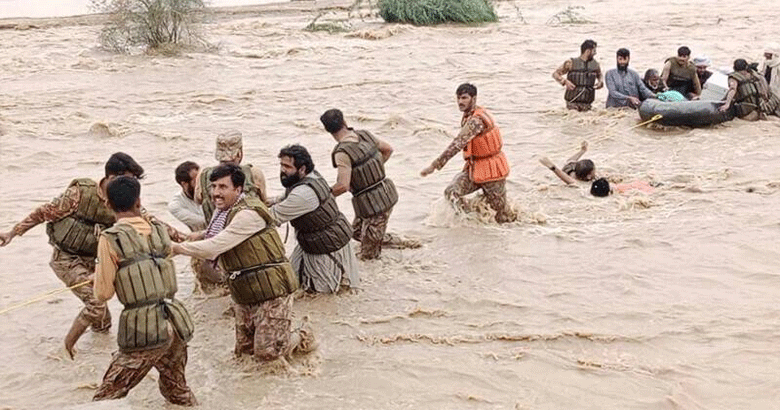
(341, 158)
(244, 224)
(108, 260)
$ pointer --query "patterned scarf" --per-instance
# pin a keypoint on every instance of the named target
(217, 223)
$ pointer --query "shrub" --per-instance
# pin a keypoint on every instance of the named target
(150, 23)
(431, 12)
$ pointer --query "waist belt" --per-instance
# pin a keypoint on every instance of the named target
(161, 302)
(234, 275)
(140, 258)
(368, 188)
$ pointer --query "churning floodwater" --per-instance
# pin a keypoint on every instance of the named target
(666, 300)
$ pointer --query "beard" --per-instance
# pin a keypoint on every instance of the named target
(289, 180)
(622, 67)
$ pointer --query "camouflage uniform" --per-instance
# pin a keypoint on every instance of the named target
(370, 232)
(264, 330)
(495, 194)
(71, 269)
(75, 269)
(461, 185)
(128, 369)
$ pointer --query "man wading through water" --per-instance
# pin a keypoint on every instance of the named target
(73, 219)
(360, 158)
(583, 78)
(323, 258)
(486, 165)
(132, 261)
(241, 236)
(230, 150)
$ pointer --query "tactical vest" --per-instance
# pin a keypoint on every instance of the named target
(485, 161)
(325, 229)
(77, 233)
(205, 188)
(681, 78)
(145, 283)
(749, 98)
(583, 75)
(259, 270)
(372, 193)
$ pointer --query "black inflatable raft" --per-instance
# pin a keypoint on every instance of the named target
(688, 113)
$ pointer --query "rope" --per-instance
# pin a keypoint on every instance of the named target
(607, 131)
(43, 296)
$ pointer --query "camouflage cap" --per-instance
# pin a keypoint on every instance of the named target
(229, 146)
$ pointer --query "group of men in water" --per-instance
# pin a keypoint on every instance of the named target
(753, 89)
(105, 243)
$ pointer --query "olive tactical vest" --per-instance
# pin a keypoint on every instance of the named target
(205, 187)
(145, 283)
(325, 229)
(258, 267)
(372, 193)
(747, 98)
(681, 78)
(77, 232)
(583, 75)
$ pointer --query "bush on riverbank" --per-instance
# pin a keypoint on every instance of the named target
(149, 23)
(432, 12)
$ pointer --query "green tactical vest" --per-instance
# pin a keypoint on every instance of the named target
(747, 99)
(259, 269)
(372, 193)
(681, 78)
(583, 75)
(205, 187)
(77, 232)
(325, 229)
(145, 283)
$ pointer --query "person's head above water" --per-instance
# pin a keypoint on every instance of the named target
(584, 170)
(740, 64)
(466, 95)
(623, 58)
(333, 120)
(683, 55)
(588, 49)
(652, 77)
(600, 187)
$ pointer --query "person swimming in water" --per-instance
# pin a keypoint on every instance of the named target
(575, 168)
(601, 187)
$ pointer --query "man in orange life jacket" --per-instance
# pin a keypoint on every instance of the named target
(486, 166)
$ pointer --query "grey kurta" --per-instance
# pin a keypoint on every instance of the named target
(319, 273)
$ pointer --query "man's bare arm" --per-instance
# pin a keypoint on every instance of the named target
(578, 155)
(562, 175)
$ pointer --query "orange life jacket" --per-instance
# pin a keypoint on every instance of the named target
(484, 160)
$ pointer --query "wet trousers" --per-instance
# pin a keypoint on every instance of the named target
(74, 269)
(128, 369)
(370, 232)
(264, 330)
(495, 194)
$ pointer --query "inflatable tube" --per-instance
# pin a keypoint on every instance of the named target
(688, 113)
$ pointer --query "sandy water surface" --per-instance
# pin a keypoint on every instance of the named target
(659, 301)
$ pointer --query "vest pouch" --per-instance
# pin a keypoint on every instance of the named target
(375, 200)
(73, 236)
(180, 318)
(142, 328)
(257, 285)
(328, 240)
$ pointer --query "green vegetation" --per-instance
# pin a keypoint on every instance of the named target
(155, 24)
(432, 12)
(569, 16)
